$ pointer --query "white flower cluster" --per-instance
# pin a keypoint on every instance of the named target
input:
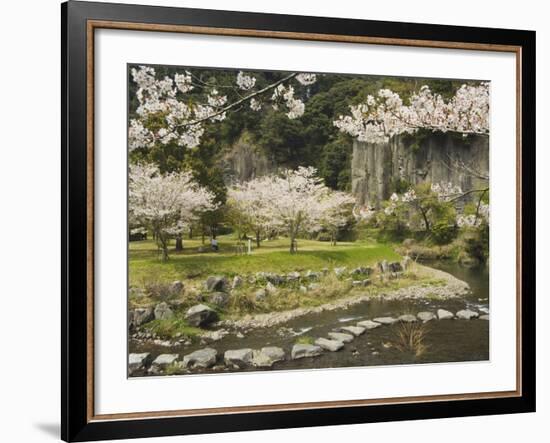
(255, 105)
(286, 94)
(306, 79)
(245, 82)
(183, 82)
(446, 191)
(383, 116)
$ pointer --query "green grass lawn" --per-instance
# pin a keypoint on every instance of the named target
(273, 256)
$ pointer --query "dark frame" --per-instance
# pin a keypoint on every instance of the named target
(78, 423)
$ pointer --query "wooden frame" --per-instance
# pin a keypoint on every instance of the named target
(79, 21)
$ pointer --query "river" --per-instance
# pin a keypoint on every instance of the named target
(444, 341)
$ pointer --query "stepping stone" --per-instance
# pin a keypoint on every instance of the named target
(368, 324)
(385, 320)
(266, 357)
(443, 314)
(329, 345)
(137, 362)
(407, 318)
(484, 317)
(238, 357)
(426, 316)
(164, 360)
(354, 330)
(203, 358)
(340, 336)
(302, 351)
(466, 314)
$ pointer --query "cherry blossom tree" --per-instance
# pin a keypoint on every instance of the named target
(337, 210)
(165, 204)
(167, 113)
(385, 115)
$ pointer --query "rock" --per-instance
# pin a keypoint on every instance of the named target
(385, 320)
(164, 360)
(383, 266)
(302, 351)
(407, 318)
(237, 282)
(340, 271)
(443, 314)
(426, 316)
(361, 270)
(329, 345)
(303, 289)
(216, 283)
(466, 314)
(313, 286)
(274, 279)
(270, 287)
(354, 330)
(395, 267)
(324, 271)
(239, 335)
(359, 283)
(293, 276)
(312, 275)
(406, 262)
(341, 336)
(142, 315)
(267, 356)
(177, 287)
(238, 357)
(219, 299)
(368, 324)
(216, 335)
(138, 362)
(203, 358)
(484, 317)
(163, 311)
(260, 295)
(200, 315)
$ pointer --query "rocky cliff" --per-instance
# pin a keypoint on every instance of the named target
(376, 168)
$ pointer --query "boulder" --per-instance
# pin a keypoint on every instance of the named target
(303, 289)
(140, 316)
(270, 287)
(302, 351)
(395, 267)
(361, 270)
(216, 283)
(312, 275)
(138, 362)
(329, 345)
(219, 299)
(163, 311)
(407, 318)
(238, 357)
(368, 324)
(274, 279)
(466, 314)
(164, 360)
(260, 294)
(484, 317)
(385, 320)
(237, 282)
(341, 336)
(360, 283)
(443, 314)
(340, 271)
(293, 276)
(354, 330)
(203, 358)
(383, 266)
(426, 316)
(177, 287)
(200, 315)
(266, 357)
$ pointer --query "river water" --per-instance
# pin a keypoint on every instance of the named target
(444, 341)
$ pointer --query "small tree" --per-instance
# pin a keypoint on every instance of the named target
(165, 204)
(337, 212)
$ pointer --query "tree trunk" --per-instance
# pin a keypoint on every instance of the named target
(293, 245)
(179, 242)
(190, 232)
(258, 238)
(426, 221)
